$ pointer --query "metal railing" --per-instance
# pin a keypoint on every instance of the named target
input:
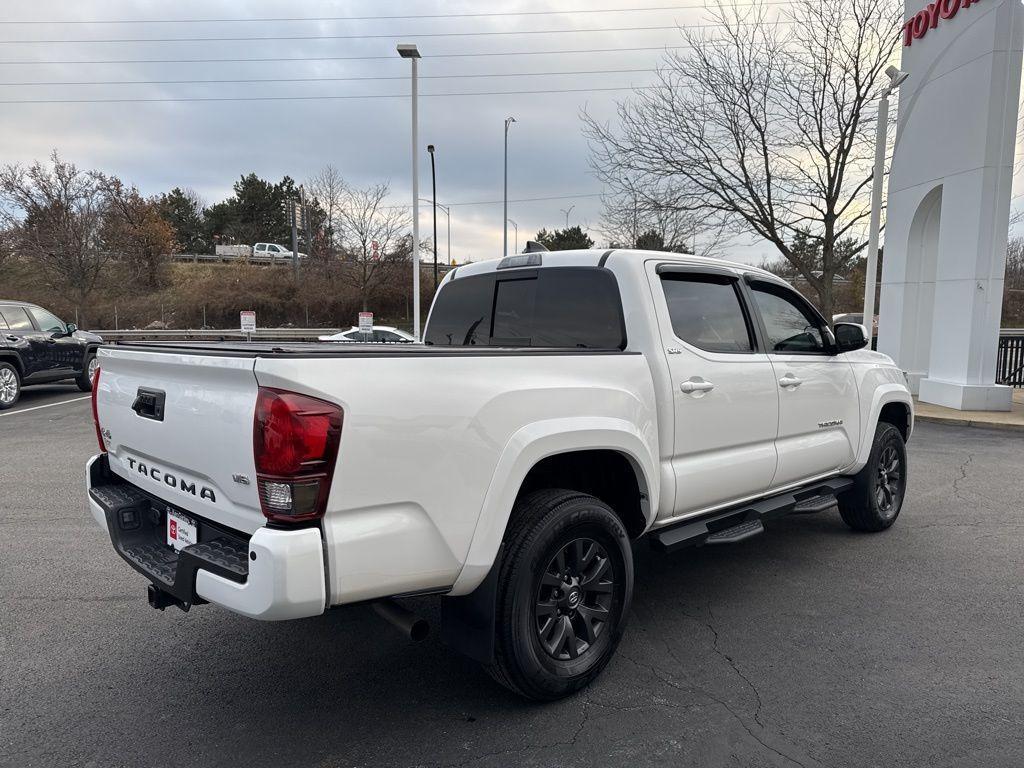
(216, 334)
(1010, 357)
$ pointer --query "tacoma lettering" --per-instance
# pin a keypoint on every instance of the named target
(153, 473)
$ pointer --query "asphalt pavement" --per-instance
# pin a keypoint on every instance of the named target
(809, 646)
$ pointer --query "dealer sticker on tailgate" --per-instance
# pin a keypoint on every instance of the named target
(181, 531)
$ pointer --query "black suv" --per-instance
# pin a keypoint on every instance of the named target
(37, 347)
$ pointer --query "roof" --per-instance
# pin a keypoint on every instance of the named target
(594, 256)
(15, 303)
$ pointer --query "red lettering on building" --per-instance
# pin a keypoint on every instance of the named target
(917, 26)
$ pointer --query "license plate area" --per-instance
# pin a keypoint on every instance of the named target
(180, 530)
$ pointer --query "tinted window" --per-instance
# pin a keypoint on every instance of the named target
(47, 322)
(3, 323)
(706, 312)
(553, 307)
(514, 309)
(790, 325)
(17, 318)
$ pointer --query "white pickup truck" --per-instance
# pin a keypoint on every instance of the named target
(562, 406)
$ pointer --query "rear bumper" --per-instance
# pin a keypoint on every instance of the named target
(272, 575)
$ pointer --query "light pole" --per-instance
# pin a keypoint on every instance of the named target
(896, 78)
(433, 187)
(566, 212)
(516, 228)
(409, 51)
(447, 211)
(504, 248)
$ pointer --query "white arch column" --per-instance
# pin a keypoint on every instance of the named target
(949, 197)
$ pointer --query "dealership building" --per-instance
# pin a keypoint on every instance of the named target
(949, 199)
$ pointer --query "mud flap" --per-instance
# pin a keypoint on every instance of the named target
(467, 622)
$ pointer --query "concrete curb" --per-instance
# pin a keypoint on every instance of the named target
(970, 423)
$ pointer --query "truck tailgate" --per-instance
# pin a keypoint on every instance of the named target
(179, 426)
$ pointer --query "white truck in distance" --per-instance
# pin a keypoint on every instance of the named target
(562, 406)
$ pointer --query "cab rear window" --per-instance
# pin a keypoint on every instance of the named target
(554, 307)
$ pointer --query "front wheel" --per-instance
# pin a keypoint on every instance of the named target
(564, 592)
(876, 498)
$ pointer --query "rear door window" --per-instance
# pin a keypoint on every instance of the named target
(576, 307)
(706, 311)
(17, 318)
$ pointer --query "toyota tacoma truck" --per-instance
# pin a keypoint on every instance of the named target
(561, 407)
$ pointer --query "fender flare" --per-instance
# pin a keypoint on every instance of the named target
(524, 449)
(883, 395)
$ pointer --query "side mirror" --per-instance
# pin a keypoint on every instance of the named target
(71, 328)
(850, 337)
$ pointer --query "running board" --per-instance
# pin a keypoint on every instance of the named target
(747, 520)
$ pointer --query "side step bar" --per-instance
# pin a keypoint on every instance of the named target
(747, 520)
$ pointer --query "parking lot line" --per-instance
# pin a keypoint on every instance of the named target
(48, 405)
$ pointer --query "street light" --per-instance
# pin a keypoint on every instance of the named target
(896, 79)
(433, 185)
(516, 227)
(504, 249)
(409, 51)
(566, 212)
(447, 211)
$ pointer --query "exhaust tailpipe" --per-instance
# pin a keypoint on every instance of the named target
(416, 628)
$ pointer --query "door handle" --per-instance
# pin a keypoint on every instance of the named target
(789, 380)
(11, 338)
(696, 384)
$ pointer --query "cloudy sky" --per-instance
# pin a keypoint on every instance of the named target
(361, 125)
(102, 70)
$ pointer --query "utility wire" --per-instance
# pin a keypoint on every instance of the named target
(390, 57)
(314, 98)
(493, 14)
(326, 79)
(404, 35)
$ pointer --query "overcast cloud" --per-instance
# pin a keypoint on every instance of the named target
(208, 145)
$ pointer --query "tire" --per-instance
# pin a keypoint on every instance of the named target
(10, 386)
(84, 380)
(553, 637)
(874, 502)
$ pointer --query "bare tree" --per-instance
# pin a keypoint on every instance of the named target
(55, 215)
(329, 190)
(763, 127)
(629, 219)
(375, 238)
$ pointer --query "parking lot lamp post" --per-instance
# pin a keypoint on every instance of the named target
(504, 247)
(896, 78)
(409, 51)
(433, 187)
(515, 228)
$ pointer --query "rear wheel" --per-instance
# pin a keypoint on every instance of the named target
(84, 380)
(874, 502)
(10, 385)
(564, 591)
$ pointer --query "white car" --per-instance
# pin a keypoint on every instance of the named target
(562, 406)
(379, 334)
(272, 252)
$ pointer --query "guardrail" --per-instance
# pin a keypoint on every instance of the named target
(1010, 357)
(216, 334)
(214, 258)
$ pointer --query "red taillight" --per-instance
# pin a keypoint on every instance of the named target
(295, 443)
(95, 410)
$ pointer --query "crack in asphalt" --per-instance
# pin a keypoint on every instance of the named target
(963, 476)
(531, 747)
(739, 719)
